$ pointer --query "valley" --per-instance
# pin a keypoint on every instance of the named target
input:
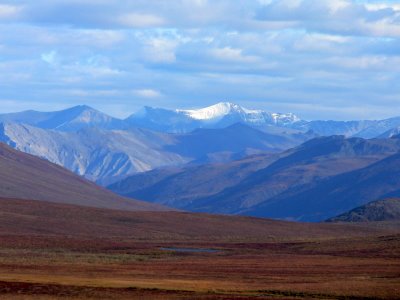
(203, 230)
(196, 149)
(108, 254)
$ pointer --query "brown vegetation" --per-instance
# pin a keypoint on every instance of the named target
(53, 250)
(25, 176)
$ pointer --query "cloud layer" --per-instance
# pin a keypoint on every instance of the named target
(317, 58)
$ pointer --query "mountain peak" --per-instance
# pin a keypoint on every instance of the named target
(219, 115)
(79, 109)
(215, 111)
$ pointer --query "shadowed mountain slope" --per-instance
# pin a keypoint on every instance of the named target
(179, 187)
(381, 210)
(27, 177)
(239, 186)
(332, 196)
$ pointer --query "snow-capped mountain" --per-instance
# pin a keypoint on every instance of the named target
(215, 113)
(224, 114)
(71, 119)
(220, 115)
(103, 148)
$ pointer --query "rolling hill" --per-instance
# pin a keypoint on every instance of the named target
(40, 218)
(25, 176)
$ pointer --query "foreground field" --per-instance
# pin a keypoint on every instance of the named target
(49, 250)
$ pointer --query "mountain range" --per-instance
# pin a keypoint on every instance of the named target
(220, 159)
(225, 113)
(332, 196)
(294, 184)
(219, 115)
(105, 155)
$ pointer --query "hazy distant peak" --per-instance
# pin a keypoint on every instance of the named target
(391, 133)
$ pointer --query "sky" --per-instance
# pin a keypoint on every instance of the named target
(320, 59)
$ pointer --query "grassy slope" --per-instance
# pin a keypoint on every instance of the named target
(52, 250)
(43, 218)
(25, 176)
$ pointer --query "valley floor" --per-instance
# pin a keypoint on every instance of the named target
(52, 251)
(42, 268)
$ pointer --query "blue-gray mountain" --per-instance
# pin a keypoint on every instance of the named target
(71, 119)
(224, 114)
(219, 115)
(290, 185)
(318, 201)
(105, 149)
(105, 156)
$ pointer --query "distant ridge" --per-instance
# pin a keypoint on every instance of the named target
(380, 210)
(71, 119)
(106, 149)
(334, 195)
(256, 185)
(219, 115)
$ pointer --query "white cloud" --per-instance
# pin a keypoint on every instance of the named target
(9, 11)
(160, 50)
(141, 20)
(92, 93)
(282, 51)
(233, 55)
(98, 37)
(49, 57)
(94, 71)
(336, 5)
(147, 93)
(380, 6)
(383, 28)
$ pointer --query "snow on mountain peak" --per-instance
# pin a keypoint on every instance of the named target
(215, 111)
(288, 117)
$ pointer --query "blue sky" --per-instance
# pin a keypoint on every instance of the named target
(321, 59)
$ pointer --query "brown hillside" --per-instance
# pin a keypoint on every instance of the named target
(25, 176)
(22, 217)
